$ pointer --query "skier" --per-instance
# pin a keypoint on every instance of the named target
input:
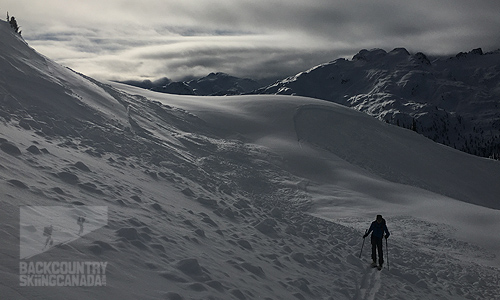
(13, 24)
(80, 222)
(47, 231)
(378, 227)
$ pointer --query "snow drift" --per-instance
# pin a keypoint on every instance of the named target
(245, 197)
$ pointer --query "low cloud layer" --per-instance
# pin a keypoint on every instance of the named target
(123, 39)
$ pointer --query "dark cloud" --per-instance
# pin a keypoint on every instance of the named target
(255, 38)
(256, 63)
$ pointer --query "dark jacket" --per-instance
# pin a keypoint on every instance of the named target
(378, 229)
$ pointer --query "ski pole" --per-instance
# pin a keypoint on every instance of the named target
(362, 244)
(387, 250)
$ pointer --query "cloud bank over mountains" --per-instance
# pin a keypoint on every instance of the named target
(121, 39)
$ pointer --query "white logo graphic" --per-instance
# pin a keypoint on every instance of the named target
(44, 227)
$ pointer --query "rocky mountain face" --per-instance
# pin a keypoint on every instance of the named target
(451, 100)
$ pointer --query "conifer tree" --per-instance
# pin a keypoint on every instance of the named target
(13, 24)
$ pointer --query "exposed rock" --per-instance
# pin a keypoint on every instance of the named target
(129, 233)
(33, 149)
(10, 148)
(18, 183)
(267, 227)
(68, 177)
(82, 166)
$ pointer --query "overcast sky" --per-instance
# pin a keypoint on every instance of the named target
(148, 39)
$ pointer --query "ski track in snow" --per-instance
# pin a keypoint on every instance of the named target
(370, 285)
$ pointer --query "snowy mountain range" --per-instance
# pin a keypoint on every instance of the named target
(241, 197)
(452, 100)
(214, 84)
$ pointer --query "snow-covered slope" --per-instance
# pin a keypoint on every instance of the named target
(246, 197)
(454, 101)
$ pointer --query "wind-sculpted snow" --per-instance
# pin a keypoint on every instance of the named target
(248, 197)
(398, 156)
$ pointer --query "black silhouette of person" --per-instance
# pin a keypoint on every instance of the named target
(47, 231)
(80, 222)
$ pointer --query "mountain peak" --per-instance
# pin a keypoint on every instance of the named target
(215, 83)
(421, 58)
(217, 75)
(473, 52)
(399, 51)
(369, 55)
